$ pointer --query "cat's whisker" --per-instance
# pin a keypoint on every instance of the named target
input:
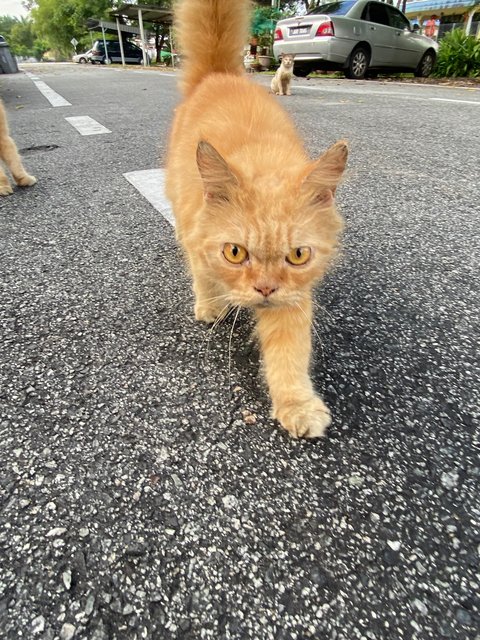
(315, 321)
(230, 349)
(323, 310)
(224, 313)
(223, 296)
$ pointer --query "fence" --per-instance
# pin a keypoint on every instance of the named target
(443, 29)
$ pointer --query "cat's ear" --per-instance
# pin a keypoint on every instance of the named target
(325, 174)
(218, 178)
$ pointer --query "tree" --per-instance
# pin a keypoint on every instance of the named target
(6, 24)
(58, 21)
(289, 6)
(21, 37)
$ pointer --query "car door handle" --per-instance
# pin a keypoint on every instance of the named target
(373, 28)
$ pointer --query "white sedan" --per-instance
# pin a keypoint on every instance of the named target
(82, 58)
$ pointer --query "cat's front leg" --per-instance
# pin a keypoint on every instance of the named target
(5, 187)
(11, 157)
(209, 302)
(285, 340)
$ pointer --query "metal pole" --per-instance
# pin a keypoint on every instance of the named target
(171, 46)
(142, 35)
(468, 24)
(121, 41)
(105, 45)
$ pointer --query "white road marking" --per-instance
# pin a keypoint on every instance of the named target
(87, 126)
(344, 103)
(477, 102)
(151, 184)
(361, 90)
(55, 99)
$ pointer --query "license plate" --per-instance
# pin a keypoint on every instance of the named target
(299, 31)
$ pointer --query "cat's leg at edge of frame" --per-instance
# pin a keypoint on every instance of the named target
(5, 186)
(285, 340)
(11, 157)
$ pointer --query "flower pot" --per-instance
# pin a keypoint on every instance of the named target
(265, 62)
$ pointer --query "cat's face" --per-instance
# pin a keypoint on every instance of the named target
(287, 60)
(269, 240)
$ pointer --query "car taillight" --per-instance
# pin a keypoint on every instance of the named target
(325, 29)
(278, 34)
(96, 52)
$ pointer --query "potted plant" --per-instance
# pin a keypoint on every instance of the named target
(263, 24)
(264, 57)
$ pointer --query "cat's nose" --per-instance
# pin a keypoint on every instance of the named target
(265, 290)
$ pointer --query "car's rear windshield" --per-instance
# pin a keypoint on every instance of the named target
(332, 8)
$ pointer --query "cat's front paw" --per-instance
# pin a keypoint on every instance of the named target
(5, 189)
(26, 181)
(304, 419)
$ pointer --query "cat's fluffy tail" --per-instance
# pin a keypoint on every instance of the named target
(211, 36)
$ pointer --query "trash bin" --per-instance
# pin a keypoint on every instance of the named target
(8, 64)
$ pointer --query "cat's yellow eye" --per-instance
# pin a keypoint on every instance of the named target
(299, 256)
(235, 253)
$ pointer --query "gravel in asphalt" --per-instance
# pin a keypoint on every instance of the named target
(145, 492)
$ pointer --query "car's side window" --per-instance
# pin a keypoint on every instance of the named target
(376, 12)
(397, 20)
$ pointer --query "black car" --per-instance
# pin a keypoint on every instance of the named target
(132, 53)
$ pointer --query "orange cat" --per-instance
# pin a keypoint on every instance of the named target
(10, 156)
(255, 216)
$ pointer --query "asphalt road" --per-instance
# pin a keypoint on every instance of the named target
(145, 493)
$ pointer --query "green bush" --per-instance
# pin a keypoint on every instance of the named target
(458, 56)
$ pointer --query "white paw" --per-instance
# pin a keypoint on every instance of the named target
(305, 419)
(26, 181)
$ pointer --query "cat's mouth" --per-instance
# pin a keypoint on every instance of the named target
(266, 303)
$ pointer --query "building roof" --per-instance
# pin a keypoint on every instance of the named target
(445, 7)
(149, 13)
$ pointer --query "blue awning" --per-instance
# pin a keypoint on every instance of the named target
(437, 5)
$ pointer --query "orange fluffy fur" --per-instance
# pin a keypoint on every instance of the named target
(10, 156)
(238, 176)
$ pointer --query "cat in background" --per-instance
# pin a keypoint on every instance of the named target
(10, 156)
(282, 79)
(255, 216)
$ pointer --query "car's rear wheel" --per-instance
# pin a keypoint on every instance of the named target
(83, 61)
(358, 64)
(425, 66)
